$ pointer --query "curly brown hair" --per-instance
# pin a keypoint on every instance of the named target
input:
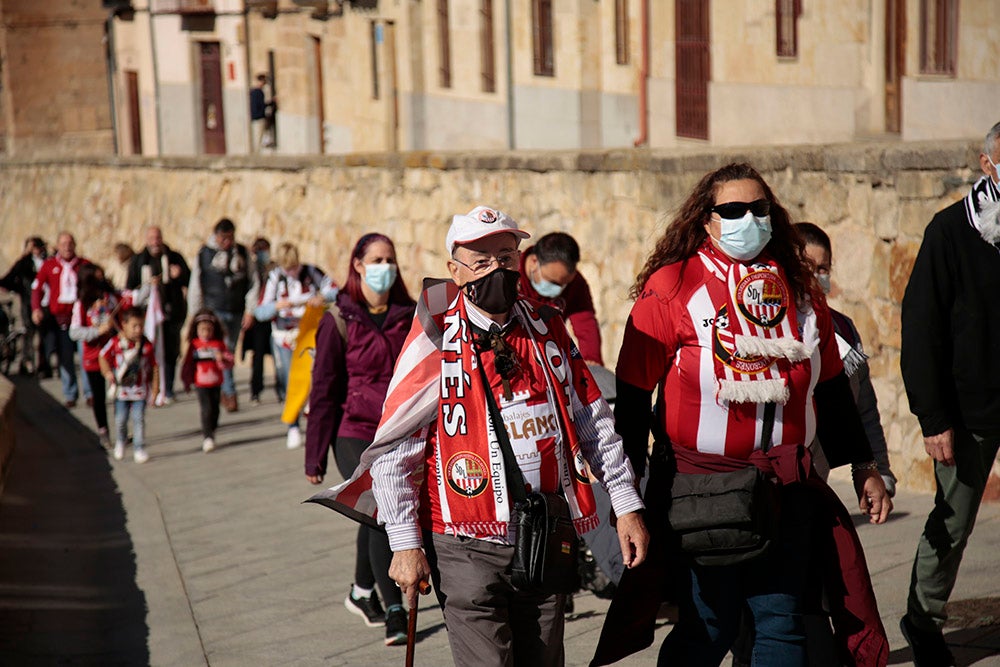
(686, 232)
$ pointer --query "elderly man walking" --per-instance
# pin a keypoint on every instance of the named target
(951, 321)
(489, 394)
(157, 264)
(224, 279)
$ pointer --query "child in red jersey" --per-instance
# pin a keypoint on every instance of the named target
(128, 363)
(207, 356)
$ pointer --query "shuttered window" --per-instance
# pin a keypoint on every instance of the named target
(786, 13)
(938, 36)
(621, 32)
(541, 21)
(444, 45)
(489, 74)
(693, 67)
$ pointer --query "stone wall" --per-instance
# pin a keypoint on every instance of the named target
(874, 199)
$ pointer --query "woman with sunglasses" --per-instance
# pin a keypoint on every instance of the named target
(731, 327)
(357, 343)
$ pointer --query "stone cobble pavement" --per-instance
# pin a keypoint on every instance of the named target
(196, 558)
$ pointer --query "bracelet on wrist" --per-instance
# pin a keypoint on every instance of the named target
(863, 467)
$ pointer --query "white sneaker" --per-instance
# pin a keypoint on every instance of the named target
(104, 438)
(119, 452)
(139, 455)
(294, 440)
(207, 445)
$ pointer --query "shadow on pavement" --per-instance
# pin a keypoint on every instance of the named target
(68, 592)
(972, 633)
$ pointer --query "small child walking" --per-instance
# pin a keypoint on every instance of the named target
(207, 356)
(128, 363)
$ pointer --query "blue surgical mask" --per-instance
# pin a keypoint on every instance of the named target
(745, 238)
(547, 289)
(263, 258)
(824, 281)
(380, 277)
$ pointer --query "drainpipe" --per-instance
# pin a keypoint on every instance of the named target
(511, 143)
(109, 55)
(249, 74)
(643, 138)
(156, 85)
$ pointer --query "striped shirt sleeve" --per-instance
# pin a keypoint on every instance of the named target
(602, 448)
(396, 494)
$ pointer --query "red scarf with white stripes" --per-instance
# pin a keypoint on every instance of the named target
(437, 384)
(759, 337)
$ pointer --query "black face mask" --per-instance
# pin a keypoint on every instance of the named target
(495, 292)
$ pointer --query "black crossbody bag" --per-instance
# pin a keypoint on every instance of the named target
(546, 544)
(726, 518)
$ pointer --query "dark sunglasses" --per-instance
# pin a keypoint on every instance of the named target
(735, 210)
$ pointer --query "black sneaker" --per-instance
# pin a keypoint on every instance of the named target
(369, 608)
(395, 626)
(929, 648)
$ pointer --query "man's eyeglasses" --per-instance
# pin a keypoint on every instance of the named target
(735, 210)
(505, 260)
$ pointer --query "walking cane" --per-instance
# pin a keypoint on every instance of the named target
(411, 625)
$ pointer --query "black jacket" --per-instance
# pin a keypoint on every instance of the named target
(173, 293)
(951, 325)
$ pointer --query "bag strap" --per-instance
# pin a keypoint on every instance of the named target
(338, 318)
(515, 480)
(767, 430)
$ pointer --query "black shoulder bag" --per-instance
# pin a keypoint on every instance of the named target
(725, 518)
(546, 544)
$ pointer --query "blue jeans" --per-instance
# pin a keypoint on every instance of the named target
(282, 364)
(233, 323)
(138, 411)
(84, 380)
(66, 352)
(773, 587)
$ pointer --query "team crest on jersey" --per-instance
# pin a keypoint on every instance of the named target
(724, 347)
(762, 297)
(467, 474)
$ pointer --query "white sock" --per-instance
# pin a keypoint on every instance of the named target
(357, 592)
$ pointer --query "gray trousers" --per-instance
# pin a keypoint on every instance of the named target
(489, 623)
(956, 503)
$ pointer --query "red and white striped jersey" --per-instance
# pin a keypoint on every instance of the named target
(671, 341)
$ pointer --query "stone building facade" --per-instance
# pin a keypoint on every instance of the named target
(386, 75)
(53, 78)
(874, 200)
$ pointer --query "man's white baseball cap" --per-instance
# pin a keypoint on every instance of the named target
(479, 223)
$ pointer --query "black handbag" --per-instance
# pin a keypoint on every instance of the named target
(546, 544)
(728, 517)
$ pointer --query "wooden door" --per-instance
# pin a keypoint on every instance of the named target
(693, 70)
(895, 63)
(134, 120)
(212, 118)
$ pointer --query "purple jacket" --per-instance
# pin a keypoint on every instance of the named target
(350, 381)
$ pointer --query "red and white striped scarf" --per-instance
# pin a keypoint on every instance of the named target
(440, 346)
(758, 337)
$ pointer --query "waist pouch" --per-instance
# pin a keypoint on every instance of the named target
(724, 518)
(546, 547)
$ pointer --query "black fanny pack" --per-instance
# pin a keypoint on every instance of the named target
(724, 518)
